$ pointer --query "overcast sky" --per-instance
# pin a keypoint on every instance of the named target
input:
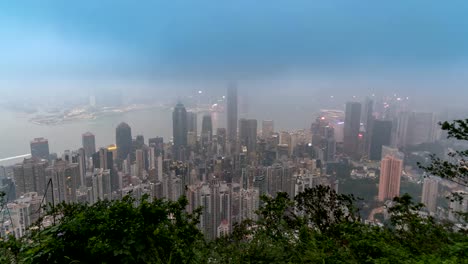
(329, 45)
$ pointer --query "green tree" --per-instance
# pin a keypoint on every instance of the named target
(118, 231)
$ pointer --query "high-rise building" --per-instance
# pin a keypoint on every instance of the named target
(207, 130)
(158, 144)
(179, 121)
(30, 176)
(192, 121)
(248, 134)
(140, 162)
(89, 144)
(221, 136)
(65, 177)
(367, 113)
(430, 194)
(40, 148)
(414, 128)
(268, 128)
(232, 112)
(380, 136)
(390, 177)
(351, 129)
(123, 140)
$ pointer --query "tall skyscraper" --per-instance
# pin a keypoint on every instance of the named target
(123, 140)
(232, 112)
(207, 129)
(192, 121)
(390, 177)
(268, 128)
(89, 144)
(252, 135)
(179, 121)
(430, 194)
(40, 148)
(380, 136)
(352, 125)
(248, 134)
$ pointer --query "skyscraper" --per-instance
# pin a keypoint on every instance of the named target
(430, 194)
(390, 176)
(414, 128)
(179, 121)
(192, 122)
(380, 136)
(89, 144)
(268, 128)
(207, 129)
(248, 134)
(351, 129)
(232, 112)
(40, 148)
(123, 140)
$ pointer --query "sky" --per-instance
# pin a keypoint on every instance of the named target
(416, 46)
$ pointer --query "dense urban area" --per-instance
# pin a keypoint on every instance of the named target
(225, 181)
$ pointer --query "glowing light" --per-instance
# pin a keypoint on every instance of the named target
(224, 97)
(360, 135)
(310, 144)
(322, 118)
(200, 92)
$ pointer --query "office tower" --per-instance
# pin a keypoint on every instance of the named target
(123, 141)
(40, 148)
(351, 129)
(268, 128)
(390, 176)
(140, 162)
(221, 136)
(381, 136)
(89, 144)
(248, 134)
(64, 178)
(207, 130)
(232, 112)
(192, 121)
(414, 129)
(103, 161)
(421, 128)
(80, 158)
(158, 143)
(430, 194)
(367, 113)
(140, 141)
(179, 121)
(30, 176)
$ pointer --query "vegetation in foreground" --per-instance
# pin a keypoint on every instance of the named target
(317, 226)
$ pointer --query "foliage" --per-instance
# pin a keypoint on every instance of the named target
(117, 232)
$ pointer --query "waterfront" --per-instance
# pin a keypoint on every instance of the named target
(17, 130)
